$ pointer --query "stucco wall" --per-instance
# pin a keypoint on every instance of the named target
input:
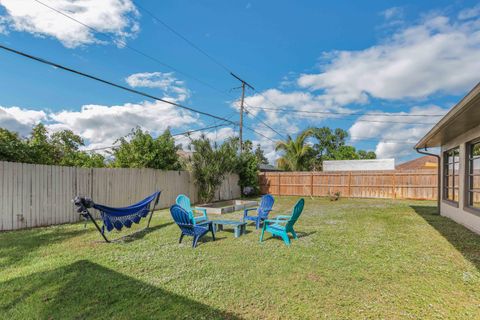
(359, 165)
(458, 213)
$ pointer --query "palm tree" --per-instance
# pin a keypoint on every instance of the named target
(296, 152)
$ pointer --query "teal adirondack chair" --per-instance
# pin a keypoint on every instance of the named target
(282, 225)
(184, 202)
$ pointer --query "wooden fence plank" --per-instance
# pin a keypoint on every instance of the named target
(405, 184)
(38, 195)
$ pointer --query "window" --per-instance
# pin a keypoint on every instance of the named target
(451, 162)
(473, 178)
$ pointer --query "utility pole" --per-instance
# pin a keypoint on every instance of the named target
(244, 84)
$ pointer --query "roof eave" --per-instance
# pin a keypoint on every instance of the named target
(448, 118)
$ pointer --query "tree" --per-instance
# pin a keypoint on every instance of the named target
(67, 149)
(331, 145)
(40, 149)
(245, 165)
(12, 147)
(210, 164)
(366, 155)
(259, 154)
(140, 150)
(296, 153)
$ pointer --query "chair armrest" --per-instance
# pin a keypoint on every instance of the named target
(275, 220)
(203, 210)
(278, 219)
(245, 211)
(282, 217)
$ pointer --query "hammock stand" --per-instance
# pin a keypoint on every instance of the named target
(117, 218)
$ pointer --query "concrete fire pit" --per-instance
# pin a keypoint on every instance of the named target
(223, 207)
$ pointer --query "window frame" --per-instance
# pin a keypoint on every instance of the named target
(469, 177)
(455, 176)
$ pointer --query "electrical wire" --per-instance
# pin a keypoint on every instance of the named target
(123, 43)
(343, 113)
(227, 69)
(193, 45)
(83, 74)
(224, 67)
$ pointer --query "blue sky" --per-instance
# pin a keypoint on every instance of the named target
(404, 62)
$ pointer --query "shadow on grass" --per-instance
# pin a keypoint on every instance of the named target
(18, 246)
(300, 235)
(85, 290)
(464, 240)
(139, 234)
(305, 234)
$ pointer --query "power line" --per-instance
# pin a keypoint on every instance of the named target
(123, 43)
(213, 126)
(56, 65)
(343, 113)
(365, 120)
(201, 129)
(155, 59)
(260, 134)
(224, 67)
(206, 54)
(193, 45)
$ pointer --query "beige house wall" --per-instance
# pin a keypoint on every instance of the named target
(460, 212)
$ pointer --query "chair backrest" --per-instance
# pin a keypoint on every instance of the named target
(180, 215)
(184, 202)
(266, 204)
(296, 212)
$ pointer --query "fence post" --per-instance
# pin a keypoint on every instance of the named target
(394, 194)
(311, 184)
(278, 186)
(349, 184)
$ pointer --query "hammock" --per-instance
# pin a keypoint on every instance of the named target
(117, 218)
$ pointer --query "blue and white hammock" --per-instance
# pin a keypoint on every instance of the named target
(117, 218)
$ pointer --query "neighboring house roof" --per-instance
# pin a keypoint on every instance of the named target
(358, 165)
(425, 162)
(184, 154)
(267, 167)
(464, 116)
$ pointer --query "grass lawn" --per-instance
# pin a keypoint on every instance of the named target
(355, 259)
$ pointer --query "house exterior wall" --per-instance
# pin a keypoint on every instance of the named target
(460, 212)
(359, 165)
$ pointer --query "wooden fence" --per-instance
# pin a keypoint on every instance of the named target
(39, 195)
(395, 184)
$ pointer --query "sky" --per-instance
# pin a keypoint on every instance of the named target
(385, 71)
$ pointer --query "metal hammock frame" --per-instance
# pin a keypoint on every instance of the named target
(145, 208)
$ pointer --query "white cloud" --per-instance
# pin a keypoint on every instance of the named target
(435, 56)
(438, 56)
(20, 120)
(469, 13)
(215, 135)
(102, 125)
(284, 122)
(396, 140)
(297, 100)
(393, 13)
(117, 18)
(166, 81)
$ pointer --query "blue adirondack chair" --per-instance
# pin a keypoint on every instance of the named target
(282, 225)
(266, 204)
(182, 219)
(184, 202)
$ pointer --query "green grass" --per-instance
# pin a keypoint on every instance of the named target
(355, 259)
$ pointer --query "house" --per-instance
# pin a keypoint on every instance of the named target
(458, 136)
(268, 168)
(359, 165)
(422, 163)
